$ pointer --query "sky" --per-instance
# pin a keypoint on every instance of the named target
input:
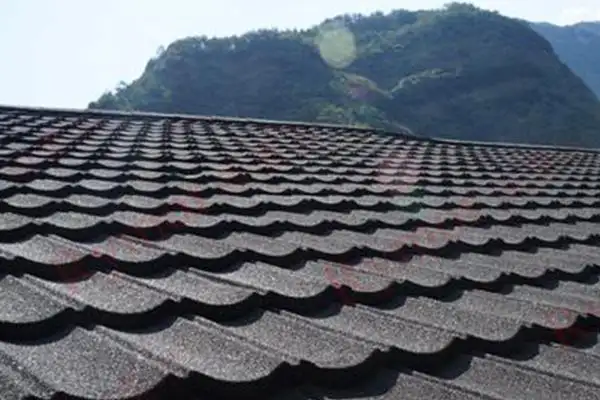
(66, 53)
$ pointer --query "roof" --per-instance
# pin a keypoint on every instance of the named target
(185, 257)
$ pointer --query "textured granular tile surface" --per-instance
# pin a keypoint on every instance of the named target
(155, 256)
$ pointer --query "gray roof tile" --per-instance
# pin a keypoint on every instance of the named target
(204, 258)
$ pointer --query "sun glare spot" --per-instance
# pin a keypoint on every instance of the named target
(337, 45)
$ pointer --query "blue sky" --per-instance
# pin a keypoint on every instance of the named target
(65, 53)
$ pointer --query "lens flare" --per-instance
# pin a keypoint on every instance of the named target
(337, 45)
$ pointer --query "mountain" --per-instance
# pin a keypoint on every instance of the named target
(458, 72)
(578, 46)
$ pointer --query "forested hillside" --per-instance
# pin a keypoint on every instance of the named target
(578, 46)
(459, 72)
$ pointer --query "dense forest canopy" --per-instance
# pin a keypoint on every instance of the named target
(458, 72)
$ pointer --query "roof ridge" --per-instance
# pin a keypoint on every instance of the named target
(408, 133)
(151, 114)
(528, 146)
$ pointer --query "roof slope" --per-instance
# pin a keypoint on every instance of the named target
(203, 258)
